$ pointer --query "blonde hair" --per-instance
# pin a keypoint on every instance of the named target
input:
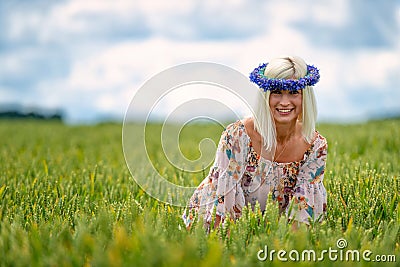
(288, 67)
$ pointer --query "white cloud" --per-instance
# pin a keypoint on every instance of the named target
(104, 75)
(397, 18)
(76, 20)
(21, 24)
(120, 70)
(334, 13)
(373, 69)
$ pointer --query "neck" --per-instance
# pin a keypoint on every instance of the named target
(285, 131)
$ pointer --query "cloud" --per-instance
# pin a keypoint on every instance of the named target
(90, 57)
(103, 20)
(359, 24)
(119, 71)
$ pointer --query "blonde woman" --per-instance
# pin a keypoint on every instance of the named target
(276, 151)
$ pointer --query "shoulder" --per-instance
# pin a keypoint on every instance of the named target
(320, 141)
(235, 129)
(248, 123)
(235, 134)
(320, 146)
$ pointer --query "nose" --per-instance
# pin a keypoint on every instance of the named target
(284, 101)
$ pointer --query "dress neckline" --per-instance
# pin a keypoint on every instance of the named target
(297, 162)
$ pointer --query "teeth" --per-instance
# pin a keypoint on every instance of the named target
(284, 110)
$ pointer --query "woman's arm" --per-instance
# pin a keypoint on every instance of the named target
(220, 191)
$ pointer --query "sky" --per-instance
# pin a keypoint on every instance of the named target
(90, 58)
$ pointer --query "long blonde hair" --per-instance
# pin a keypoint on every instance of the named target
(287, 67)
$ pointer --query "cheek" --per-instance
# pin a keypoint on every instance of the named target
(273, 101)
(300, 106)
(299, 101)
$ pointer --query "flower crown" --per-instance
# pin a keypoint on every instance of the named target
(257, 76)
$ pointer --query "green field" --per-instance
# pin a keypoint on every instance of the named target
(67, 198)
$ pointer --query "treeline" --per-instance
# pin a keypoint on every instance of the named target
(15, 114)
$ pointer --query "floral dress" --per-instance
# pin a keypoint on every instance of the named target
(239, 176)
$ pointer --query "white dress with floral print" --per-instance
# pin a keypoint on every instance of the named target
(239, 176)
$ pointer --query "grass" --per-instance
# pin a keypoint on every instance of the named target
(67, 198)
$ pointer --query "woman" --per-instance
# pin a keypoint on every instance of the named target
(278, 151)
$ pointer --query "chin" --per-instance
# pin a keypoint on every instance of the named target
(286, 118)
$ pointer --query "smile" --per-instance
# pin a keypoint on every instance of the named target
(284, 110)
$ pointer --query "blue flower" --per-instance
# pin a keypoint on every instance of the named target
(257, 76)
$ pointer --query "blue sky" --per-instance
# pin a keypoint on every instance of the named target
(90, 57)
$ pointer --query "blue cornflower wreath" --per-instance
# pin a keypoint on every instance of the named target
(265, 83)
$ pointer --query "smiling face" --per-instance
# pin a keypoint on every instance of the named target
(285, 105)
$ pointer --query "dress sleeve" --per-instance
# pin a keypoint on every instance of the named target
(221, 190)
(309, 198)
